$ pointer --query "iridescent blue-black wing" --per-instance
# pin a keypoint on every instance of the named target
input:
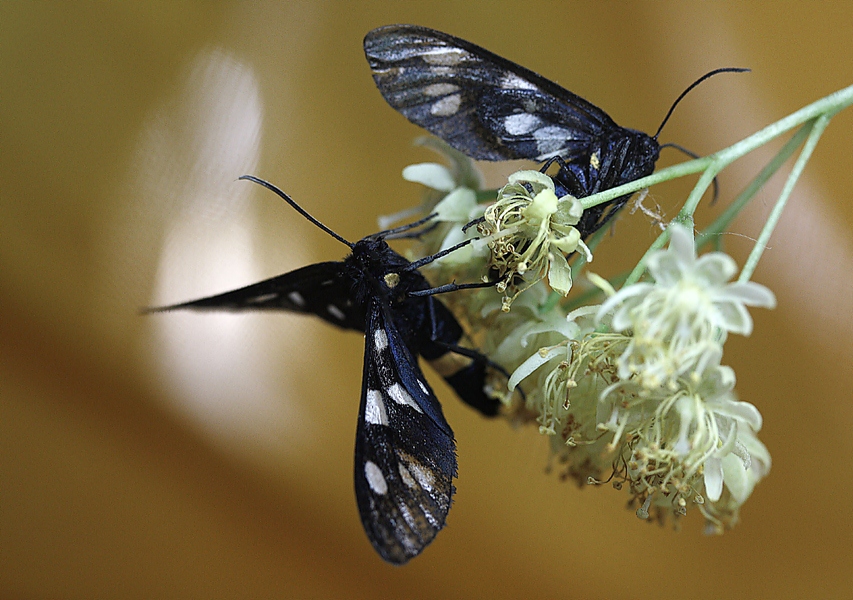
(481, 104)
(405, 455)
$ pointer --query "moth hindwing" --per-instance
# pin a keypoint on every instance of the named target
(493, 109)
(405, 453)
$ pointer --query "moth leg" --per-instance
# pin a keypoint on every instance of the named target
(467, 377)
(433, 257)
(554, 159)
(473, 223)
(452, 287)
(462, 350)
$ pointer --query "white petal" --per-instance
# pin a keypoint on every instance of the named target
(742, 411)
(621, 319)
(433, 175)
(622, 295)
(601, 283)
(729, 437)
(584, 312)
(569, 242)
(734, 317)
(686, 411)
(720, 380)
(750, 293)
(565, 327)
(467, 172)
(456, 206)
(738, 480)
(559, 273)
(681, 242)
(535, 177)
(667, 268)
(544, 205)
(761, 461)
(715, 268)
(714, 478)
(569, 211)
(531, 364)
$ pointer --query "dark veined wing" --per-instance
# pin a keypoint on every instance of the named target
(481, 104)
(321, 289)
(405, 455)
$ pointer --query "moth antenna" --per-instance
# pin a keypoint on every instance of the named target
(404, 231)
(296, 207)
(693, 85)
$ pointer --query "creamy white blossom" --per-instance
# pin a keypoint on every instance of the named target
(631, 391)
(530, 231)
(645, 398)
(679, 321)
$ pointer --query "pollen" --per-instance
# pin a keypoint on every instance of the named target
(391, 280)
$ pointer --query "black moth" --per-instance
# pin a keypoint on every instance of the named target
(405, 453)
(490, 108)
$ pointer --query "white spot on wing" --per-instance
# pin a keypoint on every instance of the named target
(432, 520)
(440, 89)
(446, 57)
(336, 312)
(550, 140)
(521, 123)
(425, 477)
(375, 479)
(407, 515)
(374, 409)
(407, 536)
(406, 476)
(263, 298)
(423, 387)
(511, 81)
(380, 340)
(401, 396)
(297, 299)
(447, 106)
(441, 71)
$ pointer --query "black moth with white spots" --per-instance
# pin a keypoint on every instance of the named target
(405, 453)
(490, 108)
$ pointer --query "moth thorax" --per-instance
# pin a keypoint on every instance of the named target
(391, 280)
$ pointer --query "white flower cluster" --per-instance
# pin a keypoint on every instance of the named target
(530, 231)
(631, 391)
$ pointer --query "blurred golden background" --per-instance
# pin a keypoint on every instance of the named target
(188, 455)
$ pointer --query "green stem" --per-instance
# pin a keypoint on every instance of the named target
(819, 112)
(760, 245)
(638, 271)
(722, 222)
(830, 104)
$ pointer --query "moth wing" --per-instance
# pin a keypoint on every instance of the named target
(405, 454)
(322, 289)
(478, 102)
